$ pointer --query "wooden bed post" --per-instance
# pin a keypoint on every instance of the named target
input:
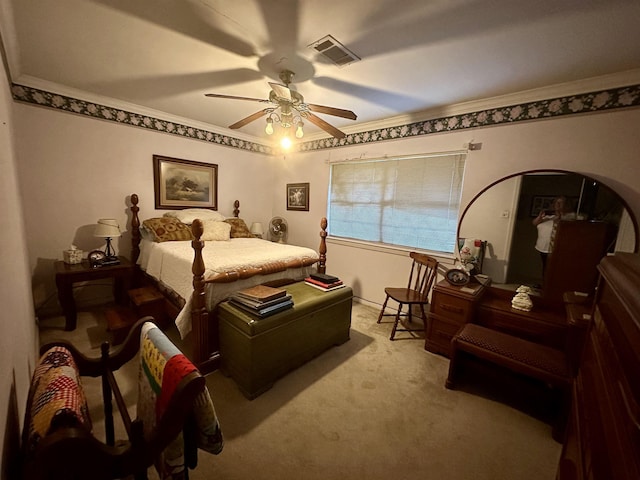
(204, 358)
(322, 249)
(135, 229)
(236, 208)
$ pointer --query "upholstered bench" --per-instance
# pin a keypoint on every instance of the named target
(256, 352)
(534, 360)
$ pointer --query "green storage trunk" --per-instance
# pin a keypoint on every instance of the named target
(256, 352)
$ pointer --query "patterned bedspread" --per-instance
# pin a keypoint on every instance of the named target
(170, 264)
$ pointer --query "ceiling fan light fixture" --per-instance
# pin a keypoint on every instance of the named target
(285, 143)
(287, 108)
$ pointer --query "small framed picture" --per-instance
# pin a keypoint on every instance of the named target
(457, 276)
(298, 196)
(541, 202)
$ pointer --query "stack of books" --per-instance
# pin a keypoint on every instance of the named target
(262, 300)
(324, 282)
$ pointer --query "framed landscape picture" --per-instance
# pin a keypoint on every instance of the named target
(184, 183)
(298, 196)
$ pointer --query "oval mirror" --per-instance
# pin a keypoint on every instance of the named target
(502, 215)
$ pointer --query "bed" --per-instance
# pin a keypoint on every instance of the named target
(195, 279)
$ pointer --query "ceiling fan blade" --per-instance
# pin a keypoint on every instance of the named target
(233, 97)
(281, 91)
(336, 112)
(249, 119)
(317, 121)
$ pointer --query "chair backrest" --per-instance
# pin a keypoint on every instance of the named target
(424, 270)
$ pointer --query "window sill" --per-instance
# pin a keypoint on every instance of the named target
(447, 258)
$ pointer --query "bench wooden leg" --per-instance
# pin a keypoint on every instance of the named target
(450, 382)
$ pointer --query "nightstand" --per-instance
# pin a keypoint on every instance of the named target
(67, 275)
(451, 307)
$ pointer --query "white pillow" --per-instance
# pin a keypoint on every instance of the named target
(146, 234)
(214, 230)
(188, 215)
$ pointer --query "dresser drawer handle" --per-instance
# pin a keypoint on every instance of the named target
(452, 308)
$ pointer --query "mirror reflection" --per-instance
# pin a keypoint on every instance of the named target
(510, 214)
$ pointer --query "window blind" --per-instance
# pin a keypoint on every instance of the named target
(405, 201)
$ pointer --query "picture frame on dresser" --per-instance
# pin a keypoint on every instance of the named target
(180, 183)
(457, 276)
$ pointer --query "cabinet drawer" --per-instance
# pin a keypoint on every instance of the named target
(440, 330)
(454, 308)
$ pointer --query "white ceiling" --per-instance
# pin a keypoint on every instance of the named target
(417, 55)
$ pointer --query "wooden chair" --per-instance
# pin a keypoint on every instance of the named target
(423, 274)
(57, 440)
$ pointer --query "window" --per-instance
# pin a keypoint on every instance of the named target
(408, 201)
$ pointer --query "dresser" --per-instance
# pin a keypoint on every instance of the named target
(603, 434)
(451, 307)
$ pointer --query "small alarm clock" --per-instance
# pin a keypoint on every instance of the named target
(96, 257)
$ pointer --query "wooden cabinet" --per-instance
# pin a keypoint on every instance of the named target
(577, 248)
(451, 307)
(603, 434)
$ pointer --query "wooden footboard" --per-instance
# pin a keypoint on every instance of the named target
(204, 328)
(204, 325)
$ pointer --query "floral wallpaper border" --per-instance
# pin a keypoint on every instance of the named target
(622, 97)
(73, 105)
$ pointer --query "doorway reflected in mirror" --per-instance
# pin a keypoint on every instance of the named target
(502, 213)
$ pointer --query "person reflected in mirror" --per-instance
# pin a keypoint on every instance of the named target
(545, 221)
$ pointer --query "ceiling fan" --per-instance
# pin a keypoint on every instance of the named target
(288, 108)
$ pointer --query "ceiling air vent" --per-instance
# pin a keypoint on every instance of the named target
(334, 51)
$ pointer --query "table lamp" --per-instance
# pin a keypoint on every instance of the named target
(108, 228)
(256, 229)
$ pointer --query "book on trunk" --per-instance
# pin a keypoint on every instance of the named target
(257, 305)
(325, 289)
(261, 293)
(323, 277)
(264, 312)
(322, 284)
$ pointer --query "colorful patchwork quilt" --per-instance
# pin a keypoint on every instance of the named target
(162, 367)
(58, 397)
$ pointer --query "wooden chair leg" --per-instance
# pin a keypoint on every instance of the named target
(384, 306)
(395, 323)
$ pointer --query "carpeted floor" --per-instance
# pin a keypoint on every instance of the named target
(367, 409)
